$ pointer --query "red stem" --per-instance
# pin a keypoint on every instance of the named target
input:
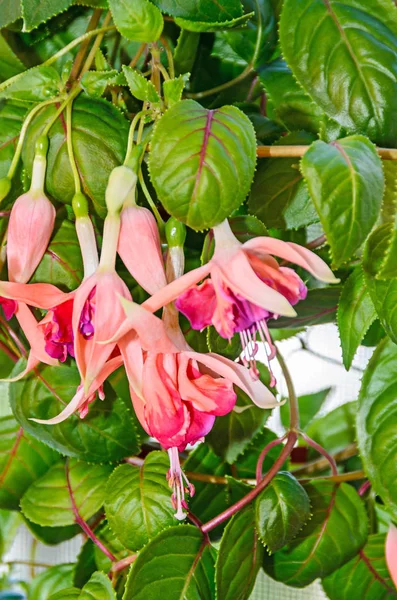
(83, 524)
(365, 487)
(322, 451)
(229, 512)
(320, 241)
(123, 563)
(263, 455)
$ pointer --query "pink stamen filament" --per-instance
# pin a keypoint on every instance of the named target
(177, 480)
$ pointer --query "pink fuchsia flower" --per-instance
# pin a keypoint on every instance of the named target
(391, 552)
(58, 332)
(31, 223)
(9, 307)
(245, 289)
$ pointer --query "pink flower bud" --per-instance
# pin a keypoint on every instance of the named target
(29, 231)
(139, 237)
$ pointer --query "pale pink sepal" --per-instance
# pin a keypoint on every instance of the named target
(80, 397)
(31, 364)
(149, 328)
(34, 335)
(29, 231)
(140, 249)
(391, 552)
(39, 295)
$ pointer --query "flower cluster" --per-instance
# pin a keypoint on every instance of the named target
(176, 393)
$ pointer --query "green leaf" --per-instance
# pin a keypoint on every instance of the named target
(279, 195)
(309, 405)
(202, 162)
(68, 594)
(96, 82)
(173, 89)
(11, 121)
(319, 307)
(356, 313)
(35, 85)
(376, 423)
(10, 11)
(23, 459)
(335, 533)
(232, 434)
(51, 581)
(201, 10)
(365, 577)
(289, 103)
(99, 587)
(35, 12)
(383, 292)
(112, 543)
(212, 26)
(62, 264)
(140, 87)
(281, 510)
(51, 536)
(239, 559)
(335, 430)
(138, 501)
(65, 489)
(362, 38)
(10, 64)
(107, 433)
(176, 564)
(93, 3)
(100, 135)
(345, 180)
(246, 464)
(10, 521)
(137, 20)
(389, 205)
(185, 51)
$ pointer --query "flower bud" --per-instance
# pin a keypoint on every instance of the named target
(122, 182)
(175, 232)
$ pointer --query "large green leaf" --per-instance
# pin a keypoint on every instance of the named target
(319, 306)
(345, 180)
(335, 430)
(344, 55)
(35, 85)
(279, 195)
(10, 11)
(356, 313)
(10, 521)
(35, 12)
(202, 162)
(51, 581)
(364, 577)
(289, 103)
(65, 490)
(377, 423)
(10, 64)
(335, 533)
(99, 140)
(61, 264)
(281, 510)
(107, 433)
(66, 594)
(137, 20)
(51, 536)
(138, 501)
(201, 10)
(239, 559)
(213, 26)
(232, 433)
(177, 565)
(23, 459)
(99, 587)
(11, 120)
(383, 292)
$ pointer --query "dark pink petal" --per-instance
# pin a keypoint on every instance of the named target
(198, 304)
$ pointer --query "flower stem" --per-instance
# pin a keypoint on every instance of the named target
(364, 488)
(131, 133)
(322, 451)
(322, 463)
(299, 151)
(293, 401)
(152, 205)
(263, 455)
(170, 58)
(69, 142)
(60, 110)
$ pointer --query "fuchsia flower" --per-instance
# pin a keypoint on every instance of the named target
(246, 288)
(9, 307)
(58, 331)
(391, 552)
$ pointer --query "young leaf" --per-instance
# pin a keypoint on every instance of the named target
(35, 85)
(335, 533)
(66, 489)
(213, 26)
(201, 10)
(178, 563)
(376, 423)
(356, 312)
(140, 87)
(383, 292)
(345, 180)
(279, 196)
(138, 501)
(364, 577)
(202, 162)
(335, 430)
(353, 35)
(173, 89)
(281, 510)
(51, 581)
(23, 459)
(309, 405)
(137, 20)
(107, 433)
(35, 12)
(239, 558)
(96, 82)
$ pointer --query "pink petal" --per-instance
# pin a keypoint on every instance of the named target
(391, 552)
(198, 304)
(293, 253)
(39, 295)
(131, 351)
(149, 328)
(31, 223)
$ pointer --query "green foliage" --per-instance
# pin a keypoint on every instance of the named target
(309, 406)
(36, 85)
(335, 430)
(51, 581)
(137, 20)
(139, 86)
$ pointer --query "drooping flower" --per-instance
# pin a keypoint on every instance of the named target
(246, 288)
(391, 552)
